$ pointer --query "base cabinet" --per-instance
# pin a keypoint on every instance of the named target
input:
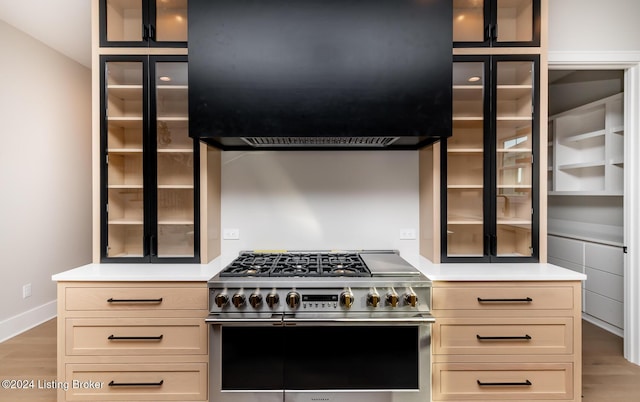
(506, 341)
(133, 341)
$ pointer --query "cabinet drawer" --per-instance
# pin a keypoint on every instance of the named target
(135, 298)
(500, 381)
(135, 336)
(137, 382)
(497, 336)
(503, 298)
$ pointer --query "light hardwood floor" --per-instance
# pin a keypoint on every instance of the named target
(607, 376)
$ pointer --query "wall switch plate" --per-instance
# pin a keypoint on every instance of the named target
(26, 291)
(407, 234)
(230, 234)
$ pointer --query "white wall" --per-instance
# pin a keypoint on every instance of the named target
(320, 200)
(45, 175)
(590, 25)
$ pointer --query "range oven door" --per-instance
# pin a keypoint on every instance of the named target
(320, 358)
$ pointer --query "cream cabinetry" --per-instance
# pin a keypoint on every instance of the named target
(134, 341)
(506, 341)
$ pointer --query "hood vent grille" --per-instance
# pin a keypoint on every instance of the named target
(372, 142)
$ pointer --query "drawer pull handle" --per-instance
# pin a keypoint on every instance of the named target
(132, 301)
(504, 338)
(525, 300)
(526, 383)
(136, 384)
(135, 338)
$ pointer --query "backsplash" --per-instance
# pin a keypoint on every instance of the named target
(320, 200)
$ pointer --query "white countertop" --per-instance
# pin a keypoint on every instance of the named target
(494, 271)
(145, 272)
(203, 272)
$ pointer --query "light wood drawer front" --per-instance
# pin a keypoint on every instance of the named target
(137, 382)
(136, 336)
(494, 382)
(136, 298)
(503, 336)
(502, 298)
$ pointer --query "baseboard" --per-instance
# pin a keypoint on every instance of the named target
(25, 321)
(606, 326)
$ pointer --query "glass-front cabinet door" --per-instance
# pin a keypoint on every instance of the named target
(506, 23)
(465, 162)
(141, 23)
(488, 165)
(124, 125)
(514, 144)
(174, 174)
(149, 175)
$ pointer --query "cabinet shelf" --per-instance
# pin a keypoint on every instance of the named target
(126, 222)
(465, 150)
(585, 136)
(125, 186)
(582, 165)
(514, 92)
(113, 151)
(176, 222)
(465, 186)
(125, 91)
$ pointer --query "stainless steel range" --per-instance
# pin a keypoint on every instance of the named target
(320, 326)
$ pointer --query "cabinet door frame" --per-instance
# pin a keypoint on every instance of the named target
(153, 178)
(491, 28)
(490, 188)
(149, 148)
(147, 29)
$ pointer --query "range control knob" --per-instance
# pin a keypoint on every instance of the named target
(221, 300)
(238, 300)
(411, 299)
(346, 299)
(373, 299)
(255, 300)
(273, 299)
(293, 300)
(392, 299)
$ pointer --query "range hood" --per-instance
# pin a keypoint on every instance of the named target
(320, 74)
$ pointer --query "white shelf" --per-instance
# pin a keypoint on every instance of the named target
(582, 165)
(585, 136)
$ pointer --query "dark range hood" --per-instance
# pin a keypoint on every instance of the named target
(320, 74)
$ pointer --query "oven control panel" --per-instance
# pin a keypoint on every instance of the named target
(318, 300)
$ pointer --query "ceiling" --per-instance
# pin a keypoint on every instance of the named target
(64, 25)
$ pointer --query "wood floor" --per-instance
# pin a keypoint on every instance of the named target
(607, 376)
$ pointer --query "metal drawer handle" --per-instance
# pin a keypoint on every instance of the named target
(136, 384)
(526, 383)
(525, 300)
(135, 338)
(112, 300)
(504, 338)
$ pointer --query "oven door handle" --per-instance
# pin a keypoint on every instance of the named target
(318, 320)
(214, 319)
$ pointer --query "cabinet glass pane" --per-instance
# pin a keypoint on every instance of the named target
(124, 20)
(468, 21)
(465, 163)
(171, 21)
(125, 209)
(515, 20)
(175, 170)
(514, 158)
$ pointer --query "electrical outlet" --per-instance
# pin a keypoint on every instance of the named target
(26, 291)
(407, 234)
(231, 234)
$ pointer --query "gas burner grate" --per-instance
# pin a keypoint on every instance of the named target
(297, 264)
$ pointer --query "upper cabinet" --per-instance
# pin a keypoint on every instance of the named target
(489, 198)
(496, 23)
(586, 149)
(150, 208)
(143, 23)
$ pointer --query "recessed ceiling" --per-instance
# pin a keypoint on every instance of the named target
(64, 25)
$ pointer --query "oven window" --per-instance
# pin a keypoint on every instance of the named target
(343, 357)
(252, 358)
(320, 358)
